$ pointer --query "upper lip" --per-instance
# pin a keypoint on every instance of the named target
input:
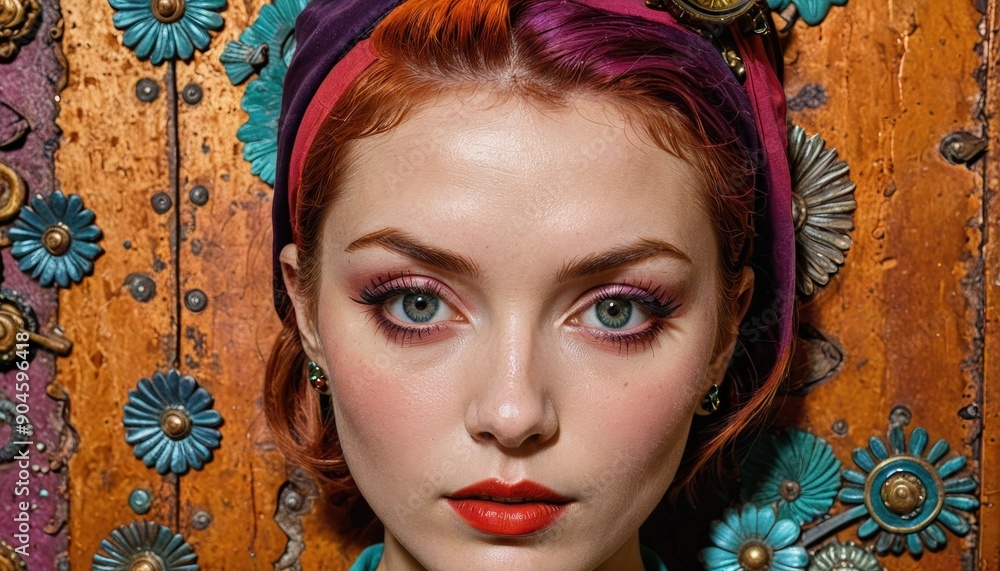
(496, 488)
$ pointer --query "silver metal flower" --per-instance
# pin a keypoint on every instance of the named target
(836, 556)
(822, 207)
(145, 546)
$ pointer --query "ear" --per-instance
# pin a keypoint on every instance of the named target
(717, 369)
(289, 259)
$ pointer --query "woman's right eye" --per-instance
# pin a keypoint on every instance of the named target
(419, 308)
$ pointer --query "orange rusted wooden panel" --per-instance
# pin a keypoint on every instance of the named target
(897, 77)
(989, 540)
(225, 251)
(113, 153)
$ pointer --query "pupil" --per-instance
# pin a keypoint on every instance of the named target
(420, 307)
(614, 313)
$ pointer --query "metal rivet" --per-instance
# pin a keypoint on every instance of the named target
(201, 520)
(140, 500)
(195, 300)
(199, 195)
(293, 500)
(191, 94)
(969, 412)
(40, 447)
(900, 415)
(839, 427)
(141, 286)
(962, 147)
(127, 244)
(161, 202)
(147, 90)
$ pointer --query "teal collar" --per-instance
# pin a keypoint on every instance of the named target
(370, 557)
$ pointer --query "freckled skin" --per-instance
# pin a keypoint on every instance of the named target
(513, 379)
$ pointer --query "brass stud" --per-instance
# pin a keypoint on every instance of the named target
(903, 493)
(168, 11)
(175, 423)
(57, 239)
(790, 490)
(755, 556)
(145, 562)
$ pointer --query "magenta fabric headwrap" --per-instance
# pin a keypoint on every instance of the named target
(331, 52)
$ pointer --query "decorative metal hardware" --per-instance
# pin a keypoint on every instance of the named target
(196, 300)
(161, 202)
(836, 556)
(55, 239)
(171, 423)
(147, 90)
(963, 148)
(840, 427)
(802, 485)
(201, 520)
(13, 125)
(10, 560)
(141, 286)
(266, 46)
(162, 30)
(822, 360)
(16, 316)
(140, 500)
(753, 538)
(191, 94)
(813, 12)
(908, 496)
(13, 190)
(19, 432)
(18, 19)
(145, 546)
(822, 207)
(705, 11)
(199, 195)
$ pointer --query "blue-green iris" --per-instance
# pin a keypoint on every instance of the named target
(614, 313)
(420, 307)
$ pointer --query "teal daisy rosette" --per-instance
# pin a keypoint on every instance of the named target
(170, 421)
(753, 538)
(794, 470)
(161, 30)
(55, 239)
(266, 47)
(812, 11)
(145, 545)
(909, 492)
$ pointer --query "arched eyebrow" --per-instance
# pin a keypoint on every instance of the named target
(601, 262)
(396, 240)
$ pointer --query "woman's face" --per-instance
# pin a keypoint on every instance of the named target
(516, 294)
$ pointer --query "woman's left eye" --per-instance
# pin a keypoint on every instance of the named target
(419, 308)
(615, 313)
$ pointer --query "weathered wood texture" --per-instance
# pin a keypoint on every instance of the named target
(989, 538)
(898, 76)
(114, 154)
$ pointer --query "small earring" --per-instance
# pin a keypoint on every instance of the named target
(710, 403)
(317, 378)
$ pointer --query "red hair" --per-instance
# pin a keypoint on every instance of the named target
(549, 52)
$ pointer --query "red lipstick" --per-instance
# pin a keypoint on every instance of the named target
(495, 507)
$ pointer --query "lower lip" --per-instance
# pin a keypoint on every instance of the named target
(500, 518)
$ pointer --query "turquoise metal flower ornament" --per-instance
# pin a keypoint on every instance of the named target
(145, 545)
(55, 239)
(753, 539)
(812, 11)
(910, 496)
(270, 36)
(266, 46)
(161, 30)
(794, 470)
(170, 422)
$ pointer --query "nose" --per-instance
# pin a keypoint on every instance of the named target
(511, 403)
